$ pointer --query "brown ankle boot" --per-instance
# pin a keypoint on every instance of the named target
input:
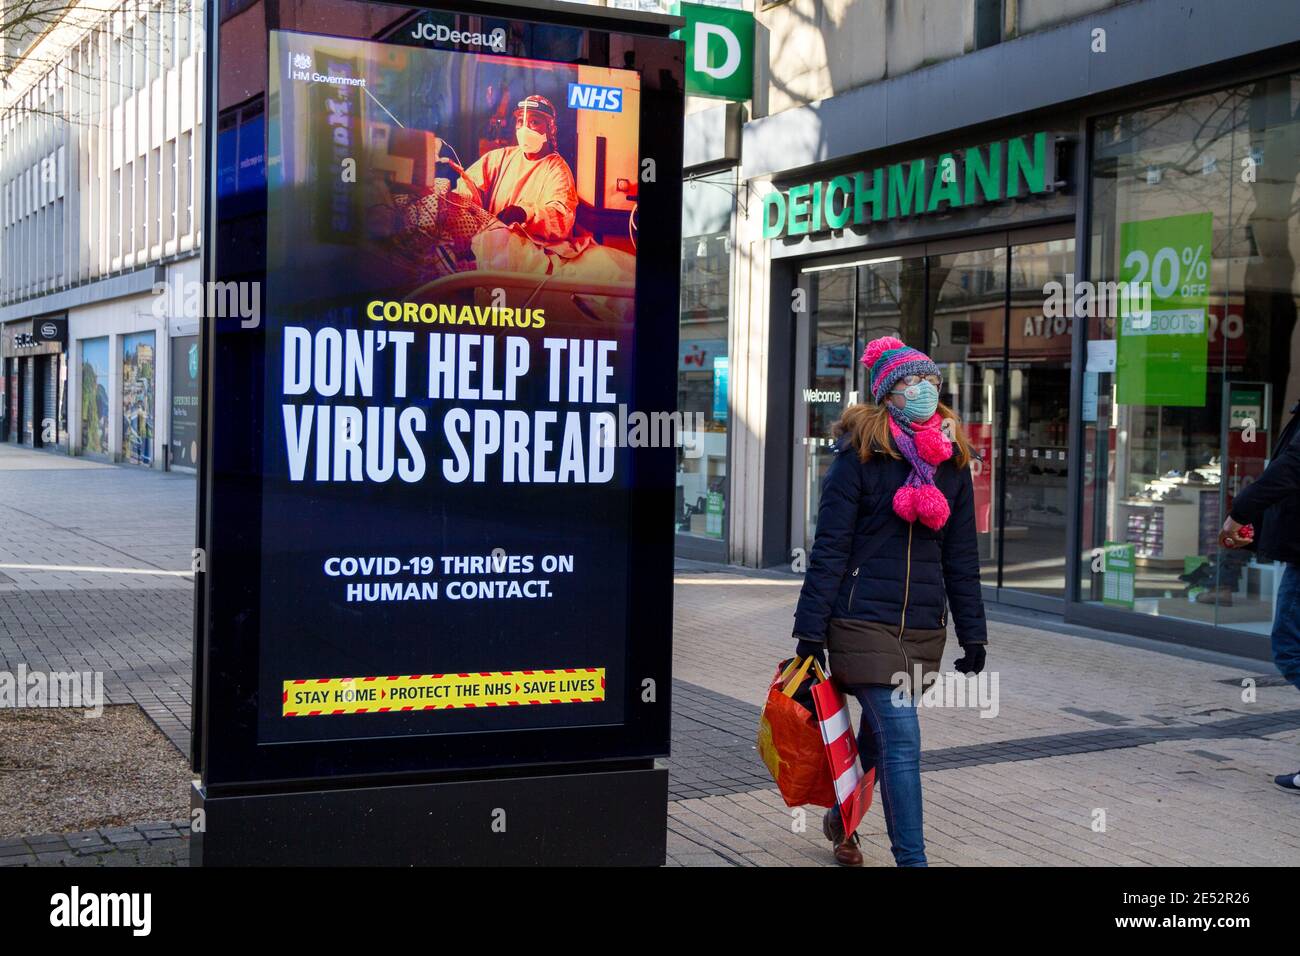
(848, 853)
(845, 849)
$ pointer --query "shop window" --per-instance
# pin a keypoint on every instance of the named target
(138, 398)
(988, 23)
(703, 363)
(94, 397)
(1182, 406)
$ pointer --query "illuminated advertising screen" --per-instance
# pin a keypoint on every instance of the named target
(447, 351)
(449, 500)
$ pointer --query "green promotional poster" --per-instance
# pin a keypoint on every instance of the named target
(1161, 355)
(713, 515)
(1119, 570)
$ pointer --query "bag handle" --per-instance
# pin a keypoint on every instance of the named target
(789, 669)
(793, 683)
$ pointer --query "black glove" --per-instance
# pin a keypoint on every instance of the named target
(972, 661)
(813, 649)
(511, 215)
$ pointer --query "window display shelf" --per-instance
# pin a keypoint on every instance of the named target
(1164, 532)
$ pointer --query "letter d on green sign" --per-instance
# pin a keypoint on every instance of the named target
(773, 200)
(719, 50)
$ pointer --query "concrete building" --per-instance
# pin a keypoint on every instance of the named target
(923, 168)
(101, 161)
(933, 169)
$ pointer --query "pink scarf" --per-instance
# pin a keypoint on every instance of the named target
(925, 447)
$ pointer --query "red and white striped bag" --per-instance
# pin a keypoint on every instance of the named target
(853, 788)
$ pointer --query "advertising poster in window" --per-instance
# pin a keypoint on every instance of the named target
(451, 286)
(137, 398)
(94, 397)
(185, 401)
(1161, 358)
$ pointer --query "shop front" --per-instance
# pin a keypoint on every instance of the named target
(703, 361)
(1199, 197)
(706, 331)
(1111, 433)
(950, 251)
(975, 306)
(34, 369)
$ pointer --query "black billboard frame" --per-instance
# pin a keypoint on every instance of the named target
(245, 783)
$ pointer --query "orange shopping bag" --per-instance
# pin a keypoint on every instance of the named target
(790, 739)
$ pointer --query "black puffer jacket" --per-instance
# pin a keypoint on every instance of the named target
(1272, 501)
(858, 531)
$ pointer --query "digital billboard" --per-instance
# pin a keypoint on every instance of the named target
(436, 526)
(448, 346)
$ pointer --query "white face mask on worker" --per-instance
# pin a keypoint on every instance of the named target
(529, 139)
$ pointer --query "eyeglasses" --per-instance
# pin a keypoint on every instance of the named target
(909, 380)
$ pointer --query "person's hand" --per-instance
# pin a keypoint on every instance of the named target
(512, 215)
(1231, 537)
(813, 649)
(972, 660)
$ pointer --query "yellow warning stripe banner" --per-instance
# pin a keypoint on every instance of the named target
(331, 696)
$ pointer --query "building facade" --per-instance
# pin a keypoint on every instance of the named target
(101, 166)
(974, 177)
(933, 169)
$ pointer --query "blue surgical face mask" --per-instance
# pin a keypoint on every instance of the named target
(922, 400)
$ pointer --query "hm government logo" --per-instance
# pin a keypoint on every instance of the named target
(302, 69)
(586, 96)
(441, 33)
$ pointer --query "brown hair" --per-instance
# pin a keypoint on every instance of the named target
(868, 426)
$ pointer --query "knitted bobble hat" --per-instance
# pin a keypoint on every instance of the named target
(887, 360)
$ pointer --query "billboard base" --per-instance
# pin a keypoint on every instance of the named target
(604, 818)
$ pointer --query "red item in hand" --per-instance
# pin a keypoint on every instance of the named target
(853, 787)
(790, 740)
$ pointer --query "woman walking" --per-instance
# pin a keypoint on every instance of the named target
(895, 548)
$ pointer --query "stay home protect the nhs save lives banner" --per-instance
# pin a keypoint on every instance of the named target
(445, 504)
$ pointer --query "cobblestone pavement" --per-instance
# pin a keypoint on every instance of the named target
(1102, 752)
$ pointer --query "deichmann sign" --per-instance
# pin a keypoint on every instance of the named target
(719, 51)
(1011, 169)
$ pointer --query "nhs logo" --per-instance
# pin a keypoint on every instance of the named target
(584, 96)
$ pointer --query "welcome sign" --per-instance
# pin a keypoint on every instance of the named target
(994, 172)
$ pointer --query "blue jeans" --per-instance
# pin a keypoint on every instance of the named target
(890, 740)
(1286, 626)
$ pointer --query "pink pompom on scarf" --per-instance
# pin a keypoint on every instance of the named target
(925, 447)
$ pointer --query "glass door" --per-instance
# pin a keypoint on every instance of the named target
(1006, 372)
(825, 381)
(1037, 423)
(968, 340)
(847, 307)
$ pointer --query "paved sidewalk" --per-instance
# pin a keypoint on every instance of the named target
(1101, 753)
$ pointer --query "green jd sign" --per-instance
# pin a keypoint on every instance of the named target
(719, 50)
(1022, 166)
